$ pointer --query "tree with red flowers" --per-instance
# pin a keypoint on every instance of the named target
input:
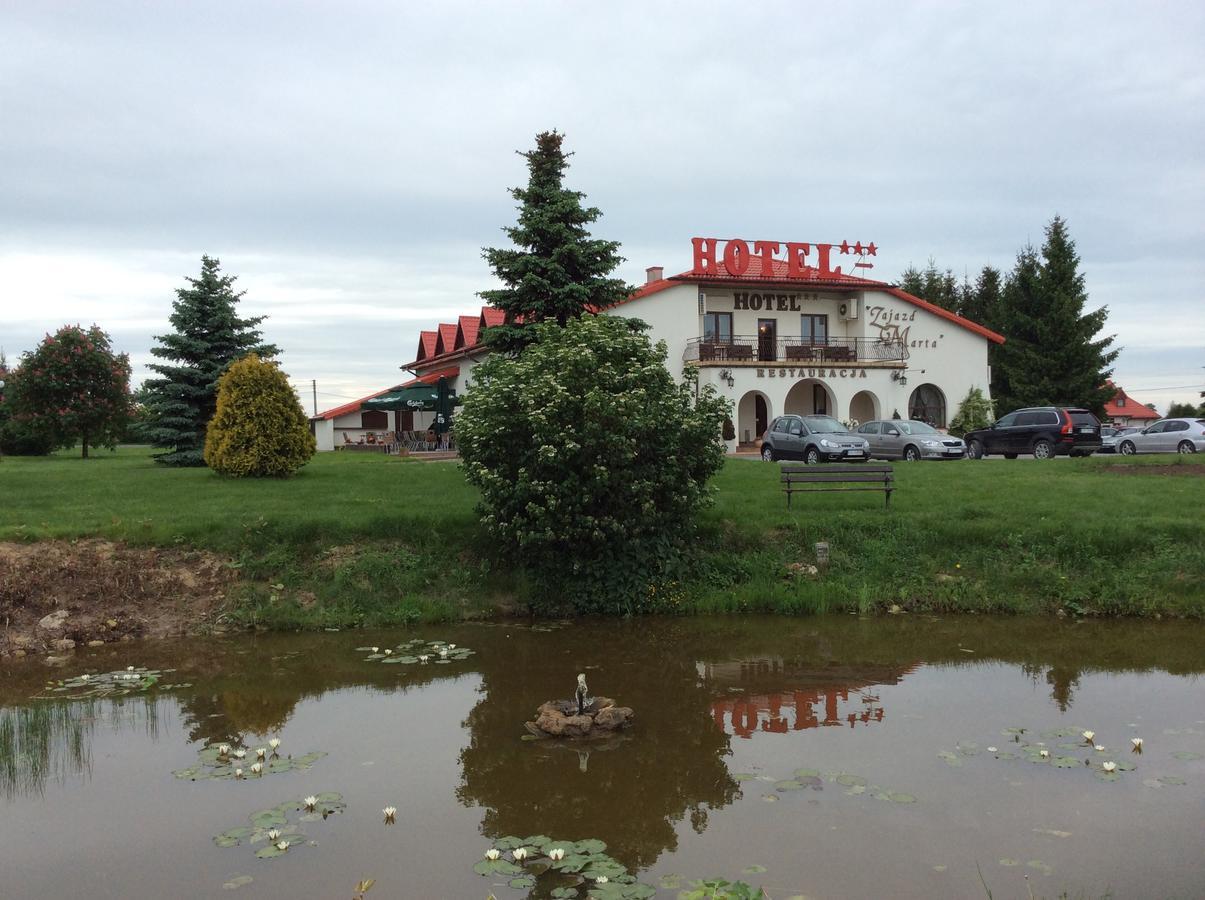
(73, 388)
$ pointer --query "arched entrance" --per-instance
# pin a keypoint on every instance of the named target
(810, 397)
(752, 416)
(864, 407)
(928, 404)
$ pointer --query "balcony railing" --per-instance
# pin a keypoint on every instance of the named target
(755, 348)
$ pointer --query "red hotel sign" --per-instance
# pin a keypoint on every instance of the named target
(738, 259)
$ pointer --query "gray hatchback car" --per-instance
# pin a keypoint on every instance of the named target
(910, 440)
(813, 439)
(1166, 436)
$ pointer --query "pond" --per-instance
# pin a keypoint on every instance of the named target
(827, 758)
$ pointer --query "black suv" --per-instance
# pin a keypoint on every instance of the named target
(1044, 431)
(813, 439)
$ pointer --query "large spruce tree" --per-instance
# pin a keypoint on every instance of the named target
(1053, 354)
(556, 270)
(208, 337)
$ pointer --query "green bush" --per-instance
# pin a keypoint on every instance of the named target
(974, 412)
(19, 438)
(591, 460)
(259, 429)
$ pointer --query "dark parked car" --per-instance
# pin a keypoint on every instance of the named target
(813, 439)
(910, 440)
(1044, 431)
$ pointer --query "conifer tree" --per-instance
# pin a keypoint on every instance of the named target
(208, 337)
(1054, 354)
(556, 270)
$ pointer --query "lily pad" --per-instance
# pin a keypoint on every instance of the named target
(237, 882)
(807, 773)
(1187, 755)
(1066, 762)
(1044, 868)
(753, 870)
(950, 759)
(1102, 775)
(496, 867)
(900, 797)
(1008, 861)
(522, 882)
(787, 785)
(1171, 779)
(851, 780)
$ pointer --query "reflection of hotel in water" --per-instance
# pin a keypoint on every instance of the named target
(778, 696)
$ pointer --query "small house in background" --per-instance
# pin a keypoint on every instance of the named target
(357, 422)
(1125, 410)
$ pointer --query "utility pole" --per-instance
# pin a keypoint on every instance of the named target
(314, 385)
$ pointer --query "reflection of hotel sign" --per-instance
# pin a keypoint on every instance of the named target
(816, 372)
(756, 258)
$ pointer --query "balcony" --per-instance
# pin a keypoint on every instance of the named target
(753, 349)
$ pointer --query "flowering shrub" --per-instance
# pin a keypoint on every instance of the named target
(259, 428)
(592, 461)
(974, 412)
(72, 388)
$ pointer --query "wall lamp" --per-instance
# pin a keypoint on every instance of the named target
(726, 375)
(900, 377)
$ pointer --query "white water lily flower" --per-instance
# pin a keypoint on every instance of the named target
(223, 749)
(238, 773)
(1098, 747)
(520, 854)
(1043, 753)
(85, 677)
(492, 853)
(310, 802)
(256, 768)
(423, 658)
(260, 752)
(274, 743)
(388, 651)
(283, 845)
(451, 646)
(556, 854)
(390, 812)
(376, 649)
(601, 879)
(239, 754)
(273, 834)
(129, 668)
(1137, 742)
(991, 749)
(1088, 735)
(1109, 766)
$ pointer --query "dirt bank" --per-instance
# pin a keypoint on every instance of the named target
(56, 595)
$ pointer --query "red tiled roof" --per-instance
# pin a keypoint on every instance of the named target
(446, 342)
(946, 314)
(490, 316)
(354, 406)
(467, 331)
(1131, 410)
(426, 344)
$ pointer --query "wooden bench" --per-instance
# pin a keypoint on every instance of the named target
(800, 479)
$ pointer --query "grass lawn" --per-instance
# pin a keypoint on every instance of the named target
(379, 540)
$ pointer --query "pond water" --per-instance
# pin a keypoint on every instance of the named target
(826, 758)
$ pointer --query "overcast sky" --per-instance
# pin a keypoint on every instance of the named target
(348, 161)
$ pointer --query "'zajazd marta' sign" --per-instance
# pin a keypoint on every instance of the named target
(738, 258)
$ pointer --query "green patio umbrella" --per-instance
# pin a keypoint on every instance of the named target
(444, 400)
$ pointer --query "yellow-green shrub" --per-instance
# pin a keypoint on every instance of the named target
(259, 428)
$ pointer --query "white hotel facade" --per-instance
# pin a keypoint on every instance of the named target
(780, 328)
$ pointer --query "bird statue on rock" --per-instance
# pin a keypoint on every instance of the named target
(583, 701)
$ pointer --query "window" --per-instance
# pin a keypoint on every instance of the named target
(374, 419)
(717, 327)
(781, 426)
(928, 404)
(869, 428)
(1176, 426)
(814, 329)
(796, 427)
(1008, 421)
(1121, 400)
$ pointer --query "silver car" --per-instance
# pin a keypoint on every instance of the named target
(910, 440)
(1111, 436)
(1166, 436)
